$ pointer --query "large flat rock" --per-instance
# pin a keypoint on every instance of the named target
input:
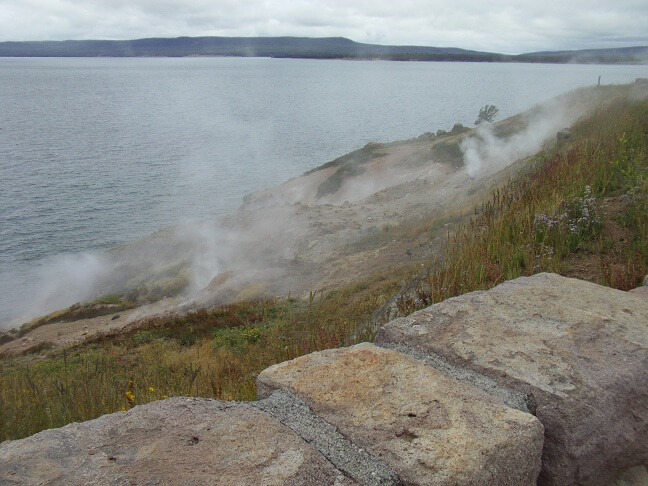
(429, 428)
(184, 441)
(579, 351)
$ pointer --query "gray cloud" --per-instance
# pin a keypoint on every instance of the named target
(497, 25)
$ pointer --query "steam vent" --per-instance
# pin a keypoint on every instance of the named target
(542, 379)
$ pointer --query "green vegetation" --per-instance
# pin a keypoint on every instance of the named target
(215, 353)
(107, 299)
(348, 165)
(448, 152)
(300, 47)
(581, 211)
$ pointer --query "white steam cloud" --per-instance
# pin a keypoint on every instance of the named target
(285, 229)
(56, 283)
(485, 152)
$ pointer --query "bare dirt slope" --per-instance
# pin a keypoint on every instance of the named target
(66, 332)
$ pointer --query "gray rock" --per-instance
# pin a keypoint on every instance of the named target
(563, 134)
(429, 428)
(636, 476)
(344, 454)
(640, 292)
(184, 441)
(578, 350)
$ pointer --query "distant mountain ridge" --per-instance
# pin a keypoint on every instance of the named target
(300, 47)
(638, 53)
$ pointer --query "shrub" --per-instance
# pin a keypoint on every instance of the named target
(486, 114)
(142, 337)
(236, 337)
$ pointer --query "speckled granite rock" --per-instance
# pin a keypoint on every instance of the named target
(429, 428)
(183, 441)
(444, 400)
(577, 349)
(641, 291)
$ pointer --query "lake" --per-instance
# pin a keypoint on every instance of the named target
(95, 152)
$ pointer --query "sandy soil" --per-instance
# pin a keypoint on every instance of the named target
(65, 333)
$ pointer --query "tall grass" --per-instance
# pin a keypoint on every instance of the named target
(215, 353)
(544, 220)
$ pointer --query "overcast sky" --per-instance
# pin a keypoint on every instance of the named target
(490, 25)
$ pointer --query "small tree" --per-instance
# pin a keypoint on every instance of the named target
(486, 114)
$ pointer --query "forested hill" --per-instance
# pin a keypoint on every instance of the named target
(637, 55)
(299, 47)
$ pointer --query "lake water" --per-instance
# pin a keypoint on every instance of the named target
(96, 152)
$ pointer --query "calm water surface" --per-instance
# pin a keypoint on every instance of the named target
(96, 152)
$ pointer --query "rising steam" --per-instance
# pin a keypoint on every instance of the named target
(282, 231)
(485, 152)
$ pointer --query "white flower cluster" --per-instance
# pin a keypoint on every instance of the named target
(578, 215)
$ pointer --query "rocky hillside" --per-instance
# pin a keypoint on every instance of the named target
(315, 232)
(541, 379)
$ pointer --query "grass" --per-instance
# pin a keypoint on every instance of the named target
(583, 211)
(566, 216)
(215, 353)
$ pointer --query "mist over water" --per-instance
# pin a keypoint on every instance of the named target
(98, 152)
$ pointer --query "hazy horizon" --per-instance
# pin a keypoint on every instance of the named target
(476, 49)
(499, 26)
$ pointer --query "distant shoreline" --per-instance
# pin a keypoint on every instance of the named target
(305, 48)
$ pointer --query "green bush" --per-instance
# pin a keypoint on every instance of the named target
(142, 337)
(236, 337)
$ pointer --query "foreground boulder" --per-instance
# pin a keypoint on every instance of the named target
(183, 441)
(578, 351)
(362, 415)
(541, 379)
(429, 428)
